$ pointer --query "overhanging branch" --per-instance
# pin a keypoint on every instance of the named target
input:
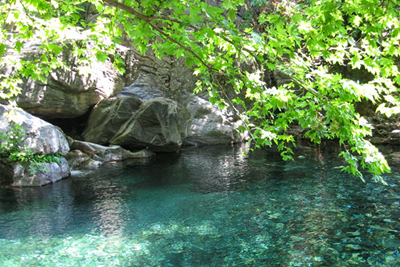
(149, 20)
(128, 9)
(138, 14)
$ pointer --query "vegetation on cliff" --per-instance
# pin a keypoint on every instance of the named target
(322, 47)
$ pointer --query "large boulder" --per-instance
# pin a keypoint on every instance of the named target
(171, 78)
(40, 136)
(108, 116)
(160, 124)
(210, 125)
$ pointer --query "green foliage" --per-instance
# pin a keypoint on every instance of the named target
(313, 43)
(10, 147)
(11, 150)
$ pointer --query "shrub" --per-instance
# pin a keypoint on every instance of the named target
(12, 150)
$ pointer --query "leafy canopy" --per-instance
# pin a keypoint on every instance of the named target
(314, 43)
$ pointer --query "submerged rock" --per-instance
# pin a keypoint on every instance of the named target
(86, 155)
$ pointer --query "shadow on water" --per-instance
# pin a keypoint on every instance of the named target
(208, 206)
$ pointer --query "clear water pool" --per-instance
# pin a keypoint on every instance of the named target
(207, 206)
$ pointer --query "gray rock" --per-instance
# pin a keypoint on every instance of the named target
(144, 87)
(70, 92)
(107, 117)
(90, 156)
(167, 77)
(80, 173)
(26, 174)
(171, 78)
(210, 126)
(110, 153)
(77, 159)
(41, 137)
(66, 93)
(160, 124)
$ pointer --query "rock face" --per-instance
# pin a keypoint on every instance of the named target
(160, 124)
(69, 93)
(41, 138)
(209, 125)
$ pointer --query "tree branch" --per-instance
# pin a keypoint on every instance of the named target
(128, 9)
(138, 14)
(149, 20)
(187, 49)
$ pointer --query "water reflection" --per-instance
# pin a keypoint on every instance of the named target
(109, 208)
(210, 207)
(219, 170)
(43, 210)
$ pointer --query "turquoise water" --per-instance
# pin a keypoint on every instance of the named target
(207, 206)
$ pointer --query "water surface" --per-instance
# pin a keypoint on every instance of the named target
(208, 206)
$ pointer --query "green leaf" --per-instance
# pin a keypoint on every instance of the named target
(55, 49)
(101, 56)
(231, 15)
(190, 61)
(3, 49)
